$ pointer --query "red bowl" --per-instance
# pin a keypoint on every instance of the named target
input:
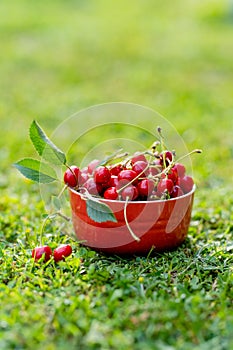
(161, 225)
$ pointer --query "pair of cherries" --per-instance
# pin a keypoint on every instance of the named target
(45, 252)
(138, 179)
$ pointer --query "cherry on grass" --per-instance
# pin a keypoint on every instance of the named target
(62, 252)
(42, 251)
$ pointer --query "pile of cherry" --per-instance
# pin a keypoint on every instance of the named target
(135, 179)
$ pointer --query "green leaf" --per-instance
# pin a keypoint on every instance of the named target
(56, 202)
(44, 146)
(35, 170)
(99, 212)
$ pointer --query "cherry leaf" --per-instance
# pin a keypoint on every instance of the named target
(56, 202)
(44, 146)
(99, 212)
(35, 170)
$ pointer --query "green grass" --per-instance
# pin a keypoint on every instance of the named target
(59, 57)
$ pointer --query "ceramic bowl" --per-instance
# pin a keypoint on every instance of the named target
(161, 225)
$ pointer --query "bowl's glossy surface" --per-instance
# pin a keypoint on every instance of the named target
(161, 224)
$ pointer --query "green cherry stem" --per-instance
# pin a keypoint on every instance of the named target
(189, 154)
(163, 146)
(62, 191)
(136, 238)
(49, 217)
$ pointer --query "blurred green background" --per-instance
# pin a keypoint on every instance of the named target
(57, 57)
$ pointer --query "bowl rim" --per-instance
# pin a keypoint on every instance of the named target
(137, 202)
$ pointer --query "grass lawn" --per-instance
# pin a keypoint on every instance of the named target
(58, 57)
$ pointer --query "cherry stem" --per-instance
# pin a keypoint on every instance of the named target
(63, 189)
(136, 238)
(116, 155)
(163, 146)
(49, 217)
(189, 154)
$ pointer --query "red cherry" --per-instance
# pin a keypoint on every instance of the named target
(84, 170)
(145, 187)
(111, 193)
(155, 170)
(128, 175)
(186, 183)
(71, 176)
(130, 192)
(165, 185)
(102, 175)
(138, 157)
(180, 169)
(92, 187)
(141, 167)
(116, 169)
(92, 165)
(173, 175)
(61, 252)
(166, 157)
(177, 192)
(113, 181)
(83, 177)
(42, 251)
